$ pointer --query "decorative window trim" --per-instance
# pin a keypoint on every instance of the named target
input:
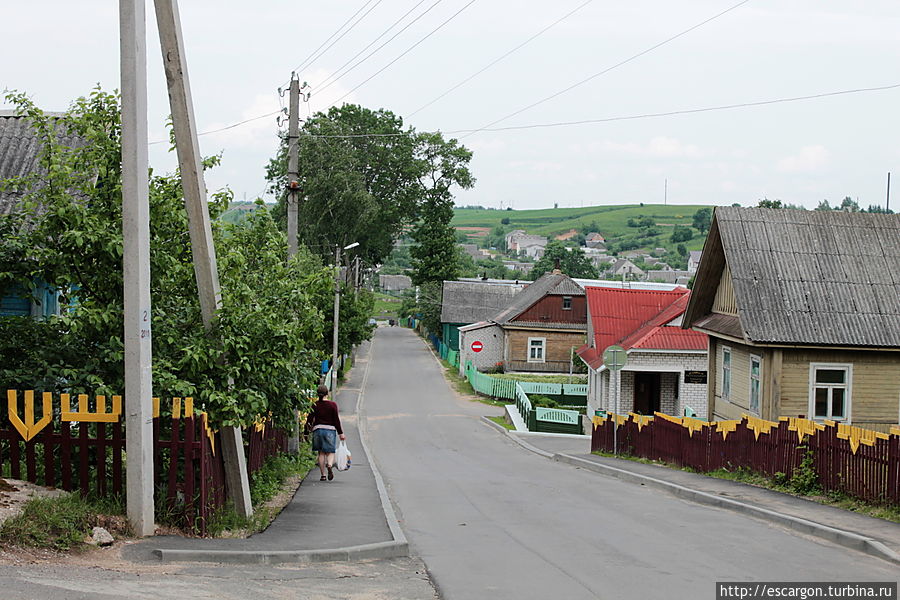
(727, 358)
(757, 379)
(847, 385)
(543, 347)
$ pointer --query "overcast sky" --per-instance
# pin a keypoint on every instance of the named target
(239, 53)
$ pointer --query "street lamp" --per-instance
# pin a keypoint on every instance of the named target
(337, 307)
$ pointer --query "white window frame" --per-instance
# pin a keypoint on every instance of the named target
(755, 379)
(727, 372)
(847, 386)
(543, 347)
(569, 299)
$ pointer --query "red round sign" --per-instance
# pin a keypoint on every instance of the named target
(477, 346)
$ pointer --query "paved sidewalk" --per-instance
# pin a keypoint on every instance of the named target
(347, 518)
(576, 451)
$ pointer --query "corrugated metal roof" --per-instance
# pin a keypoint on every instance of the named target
(638, 318)
(470, 301)
(827, 278)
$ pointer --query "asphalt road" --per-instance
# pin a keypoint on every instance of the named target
(491, 520)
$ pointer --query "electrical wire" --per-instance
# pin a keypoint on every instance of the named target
(408, 50)
(307, 61)
(495, 61)
(227, 127)
(615, 66)
(367, 57)
(338, 73)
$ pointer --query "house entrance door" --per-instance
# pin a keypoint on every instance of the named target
(646, 393)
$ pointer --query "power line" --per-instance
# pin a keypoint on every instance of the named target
(495, 61)
(306, 61)
(408, 50)
(671, 113)
(615, 66)
(367, 57)
(337, 74)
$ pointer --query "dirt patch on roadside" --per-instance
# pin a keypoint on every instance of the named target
(14, 493)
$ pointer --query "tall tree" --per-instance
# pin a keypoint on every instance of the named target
(441, 164)
(572, 262)
(702, 219)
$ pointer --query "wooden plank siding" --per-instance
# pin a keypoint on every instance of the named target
(875, 391)
(725, 301)
(556, 349)
(549, 309)
(738, 401)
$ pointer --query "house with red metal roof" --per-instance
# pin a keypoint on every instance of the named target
(665, 368)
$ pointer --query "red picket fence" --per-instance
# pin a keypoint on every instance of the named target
(856, 462)
(88, 455)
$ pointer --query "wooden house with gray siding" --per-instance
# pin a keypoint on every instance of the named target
(802, 310)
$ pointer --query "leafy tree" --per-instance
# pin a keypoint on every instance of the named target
(265, 346)
(573, 262)
(682, 250)
(504, 221)
(681, 234)
(702, 219)
(355, 187)
(766, 203)
(848, 204)
(823, 205)
(441, 164)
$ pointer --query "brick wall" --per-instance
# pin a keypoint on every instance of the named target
(490, 355)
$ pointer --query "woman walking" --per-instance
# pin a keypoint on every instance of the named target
(326, 428)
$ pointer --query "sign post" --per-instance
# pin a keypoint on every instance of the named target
(614, 358)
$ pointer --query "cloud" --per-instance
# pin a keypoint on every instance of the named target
(657, 147)
(808, 159)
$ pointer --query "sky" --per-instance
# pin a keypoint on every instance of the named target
(631, 54)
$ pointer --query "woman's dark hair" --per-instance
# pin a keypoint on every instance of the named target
(322, 391)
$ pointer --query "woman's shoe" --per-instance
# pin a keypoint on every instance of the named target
(322, 478)
(330, 474)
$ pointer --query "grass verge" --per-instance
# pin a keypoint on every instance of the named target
(501, 421)
(462, 385)
(575, 378)
(62, 523)
(784, 485)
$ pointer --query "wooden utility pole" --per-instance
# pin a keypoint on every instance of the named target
(293, 176)
(204, 252)
(136, 267)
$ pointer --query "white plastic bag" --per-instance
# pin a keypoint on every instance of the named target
(342, 457)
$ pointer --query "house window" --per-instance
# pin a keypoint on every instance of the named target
(567, 302)
(755, 384)
(726, 372)
(829, 390)
(536, 349)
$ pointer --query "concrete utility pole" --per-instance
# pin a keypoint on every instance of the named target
(136, 267)
(204, 252)
(293, 184)
(292, 212)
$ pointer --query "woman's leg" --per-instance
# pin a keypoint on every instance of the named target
(321, 460)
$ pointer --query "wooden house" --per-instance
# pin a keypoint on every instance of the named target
(467, 302)
(802, 309)
(666, 365)
(541, 327)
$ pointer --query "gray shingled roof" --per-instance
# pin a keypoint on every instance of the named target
(548, 283)
(473, 301)
(20, 153)
(814, 277)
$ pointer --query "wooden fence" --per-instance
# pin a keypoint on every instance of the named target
(84, 450)
(851, 460)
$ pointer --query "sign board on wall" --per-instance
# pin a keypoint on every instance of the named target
(695, 376)
(477, 346)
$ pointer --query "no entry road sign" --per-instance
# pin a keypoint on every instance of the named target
(477, 346)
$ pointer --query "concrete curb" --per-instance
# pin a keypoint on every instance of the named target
(397, 548)
(847, 539)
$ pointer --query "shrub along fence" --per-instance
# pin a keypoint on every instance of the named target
(846, 459)
(84, 450)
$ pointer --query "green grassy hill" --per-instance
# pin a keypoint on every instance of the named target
(611, 221)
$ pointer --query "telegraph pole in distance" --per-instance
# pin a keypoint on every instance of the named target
(293, 187)
(136, 267)
(293, 184)
(202, 247)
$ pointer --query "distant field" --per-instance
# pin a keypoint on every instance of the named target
(611, 220)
